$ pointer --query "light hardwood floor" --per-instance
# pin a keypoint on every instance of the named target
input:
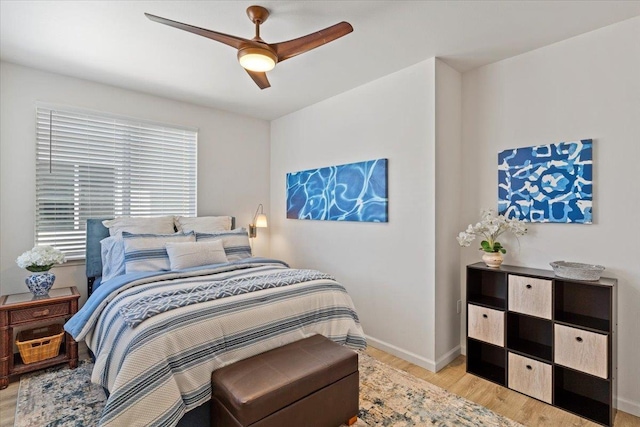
(501, 400)
(453, 377)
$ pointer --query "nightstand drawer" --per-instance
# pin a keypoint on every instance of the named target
(530, 296)
(582, 350)
(530, 377)
(37, 313)
(485, 324)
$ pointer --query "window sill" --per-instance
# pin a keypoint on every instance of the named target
(71, 263)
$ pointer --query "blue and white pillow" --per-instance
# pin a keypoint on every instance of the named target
(112, 254)
(147, 252)
(235, 242)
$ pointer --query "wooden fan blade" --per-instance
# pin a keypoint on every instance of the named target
(227, 39)
(291, 48)
(260, 78)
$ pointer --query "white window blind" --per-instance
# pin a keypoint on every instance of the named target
(90, 165)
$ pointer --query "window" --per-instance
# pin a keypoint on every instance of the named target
(92, 165)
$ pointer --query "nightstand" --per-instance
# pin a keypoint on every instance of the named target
(30, 311)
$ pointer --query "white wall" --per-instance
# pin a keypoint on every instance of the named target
(233, 158)
(584, 87)
(448, 179)
(388, 268)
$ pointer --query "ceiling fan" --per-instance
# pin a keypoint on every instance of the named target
(256, 56)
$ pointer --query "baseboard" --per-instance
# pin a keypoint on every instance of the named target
(416, 359)
(628, 406)
(448, 358)
(402, 353)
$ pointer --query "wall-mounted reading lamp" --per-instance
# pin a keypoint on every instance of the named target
(259, 220)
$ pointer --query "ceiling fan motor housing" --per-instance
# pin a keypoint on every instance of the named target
(257, 58)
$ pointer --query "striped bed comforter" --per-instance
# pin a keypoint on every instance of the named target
(161, 368)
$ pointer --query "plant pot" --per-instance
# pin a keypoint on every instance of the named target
(493, 259)
(40, 283)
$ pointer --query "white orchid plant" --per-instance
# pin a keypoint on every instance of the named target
(490, 227)
(40, 258)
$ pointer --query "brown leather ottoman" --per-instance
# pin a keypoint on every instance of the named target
(312, 383)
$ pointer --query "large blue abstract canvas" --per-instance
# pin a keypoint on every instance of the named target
(352, 192)
(547, 183)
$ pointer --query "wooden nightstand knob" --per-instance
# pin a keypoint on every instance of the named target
(42, 313)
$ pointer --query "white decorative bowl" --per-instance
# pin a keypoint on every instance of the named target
(576, 270)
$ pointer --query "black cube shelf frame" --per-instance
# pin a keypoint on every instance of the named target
(587, 307)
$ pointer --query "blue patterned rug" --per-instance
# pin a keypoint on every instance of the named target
(59, 397)
(388, 397)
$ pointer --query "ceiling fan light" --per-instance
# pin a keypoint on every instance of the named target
(256, 59)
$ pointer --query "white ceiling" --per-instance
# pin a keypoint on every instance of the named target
(112, 42)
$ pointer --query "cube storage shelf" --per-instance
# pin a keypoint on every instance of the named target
(547, 337)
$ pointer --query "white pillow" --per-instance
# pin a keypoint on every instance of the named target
(140, 225)
(194, 254)
(203, 224)
(112, 251)
(147, 252)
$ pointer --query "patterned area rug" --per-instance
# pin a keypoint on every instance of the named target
(391, 397)
(388, 397)
(59, 397)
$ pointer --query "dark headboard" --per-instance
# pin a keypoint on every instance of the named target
(93, 258)
(96, 231)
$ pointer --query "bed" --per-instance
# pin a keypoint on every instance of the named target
(157, 335)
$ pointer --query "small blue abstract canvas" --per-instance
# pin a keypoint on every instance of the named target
(352, 192)
(547, 183)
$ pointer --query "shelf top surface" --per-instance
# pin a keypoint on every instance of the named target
(546, 274)
(29, 297)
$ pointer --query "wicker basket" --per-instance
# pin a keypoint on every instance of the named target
(40, 343)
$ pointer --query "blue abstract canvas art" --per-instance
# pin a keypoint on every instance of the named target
(547, 183)
(352, 192)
